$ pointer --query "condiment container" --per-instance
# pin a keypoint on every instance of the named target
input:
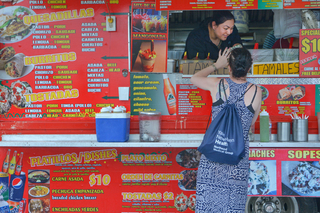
(112, 127)
(264, 126)
(283, 131)
(149, 126)
(300, 130)
(117, 109)
(106, 109)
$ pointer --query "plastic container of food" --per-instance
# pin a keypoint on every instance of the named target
(149, 126)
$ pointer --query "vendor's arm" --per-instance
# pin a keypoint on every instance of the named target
(201, 80)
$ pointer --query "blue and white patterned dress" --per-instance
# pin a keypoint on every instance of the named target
(222, 188)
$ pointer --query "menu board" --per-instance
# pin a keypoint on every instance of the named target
(309, 53)
(192, 100)
(153, 92)
(300, 4)
(135, 179)
(59, 59)
(149, 38)
(206, 5)
(270, 4)
(288, 99)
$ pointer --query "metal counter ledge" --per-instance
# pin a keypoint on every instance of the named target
(167, 140)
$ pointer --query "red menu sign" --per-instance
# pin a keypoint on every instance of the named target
(59, 59)
(309, 54)
(206, 5)
(128, 179)
(300, 4)
(288, 99)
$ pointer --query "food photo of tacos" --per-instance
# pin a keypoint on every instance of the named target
(291, 92)
(12, 27)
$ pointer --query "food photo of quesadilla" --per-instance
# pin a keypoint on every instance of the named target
(12, 27)
(292, 92)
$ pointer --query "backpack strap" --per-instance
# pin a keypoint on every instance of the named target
(255, 92)
(245, 92)
(224, 89)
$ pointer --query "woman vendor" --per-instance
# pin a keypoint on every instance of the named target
(213, 34)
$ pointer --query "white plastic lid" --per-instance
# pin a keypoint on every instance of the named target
(264, 113)
(117, 109)
(106, 109)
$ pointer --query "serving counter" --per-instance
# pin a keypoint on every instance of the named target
(167, 140)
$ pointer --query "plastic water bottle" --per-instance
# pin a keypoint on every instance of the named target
(4, 206)
(264, 126)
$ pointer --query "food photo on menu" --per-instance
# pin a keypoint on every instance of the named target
(189, 181)
(265, 92)
(182, 202)
(12, 64)
(39, 191)
(12, 26)
(292, 92)
(39, 176)
(14, 96)
(149, 55)
(188, 158)
(39, 205)
(262, 178)
(149, 21)
(300, 178)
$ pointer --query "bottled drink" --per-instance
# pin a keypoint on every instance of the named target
(19, 165)
(169, 94)
(264, 126)
(13, 162)
(4, 206)
(5, 165)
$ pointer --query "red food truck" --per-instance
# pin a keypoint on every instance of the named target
(63, 62)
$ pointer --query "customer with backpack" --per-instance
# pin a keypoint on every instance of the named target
(222, 187)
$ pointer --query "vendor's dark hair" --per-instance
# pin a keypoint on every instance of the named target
(220, 17)
(240, 62)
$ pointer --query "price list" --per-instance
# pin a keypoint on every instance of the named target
(300, 4)
(63, 59)
(103, 179)
(192, 100)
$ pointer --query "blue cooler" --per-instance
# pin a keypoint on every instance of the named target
(112, 127)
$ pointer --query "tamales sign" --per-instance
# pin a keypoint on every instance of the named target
(276, 68)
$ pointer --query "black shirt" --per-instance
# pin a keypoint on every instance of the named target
(198, 41)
